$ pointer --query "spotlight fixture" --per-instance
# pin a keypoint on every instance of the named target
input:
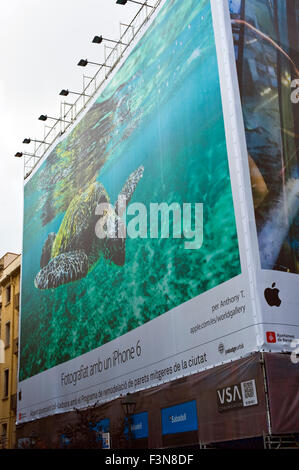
(124, 2)
(28, 141)
(100, 39)
(84, 62)
(67, 92)
(20, 154)
(97, 39)
(44, 117)
(64, 93)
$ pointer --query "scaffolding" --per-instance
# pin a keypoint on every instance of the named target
(284, 441)
(69, 112)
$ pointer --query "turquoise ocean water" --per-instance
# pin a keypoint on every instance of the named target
(162, 110)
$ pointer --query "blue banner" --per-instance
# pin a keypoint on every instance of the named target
(102, 426)
(179, 418)
(139, 426)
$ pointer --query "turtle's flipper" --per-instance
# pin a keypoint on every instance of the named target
(128, 190)
(65, 268)
(114, 250)
(47, 249)
(113, 245)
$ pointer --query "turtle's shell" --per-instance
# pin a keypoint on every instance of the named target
(77, 230)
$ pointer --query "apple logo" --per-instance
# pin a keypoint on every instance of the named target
(272, 297)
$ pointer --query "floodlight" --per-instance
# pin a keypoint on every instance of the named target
(97, 39)
(44, 117)
(124, 2)
(64, 93)
(67, 92)
(28, 141)
(100, 39)
(84, 62)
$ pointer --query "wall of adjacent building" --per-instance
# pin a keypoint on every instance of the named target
(9, 329)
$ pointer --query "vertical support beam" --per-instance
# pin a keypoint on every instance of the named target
(262, 361)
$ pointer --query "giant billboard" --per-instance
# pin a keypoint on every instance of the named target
(138, 241)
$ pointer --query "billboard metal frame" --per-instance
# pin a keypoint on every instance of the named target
(69, 112)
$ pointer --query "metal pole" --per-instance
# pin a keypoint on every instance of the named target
(262, 361)
(130, 431)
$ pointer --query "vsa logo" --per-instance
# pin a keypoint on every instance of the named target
(237, 396)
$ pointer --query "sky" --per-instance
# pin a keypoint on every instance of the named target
(41, 42)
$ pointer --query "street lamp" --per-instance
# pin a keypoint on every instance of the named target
(129, 404)
(33, 438)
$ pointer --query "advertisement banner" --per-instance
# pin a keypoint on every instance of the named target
(237, 396)
(282, 380)
(204, 422)
(179, 418)
(266, 39)
(102, 428)
(137, 242)
(138, 426)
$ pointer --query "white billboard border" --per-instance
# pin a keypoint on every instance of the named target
(259, 278)
(237, 151)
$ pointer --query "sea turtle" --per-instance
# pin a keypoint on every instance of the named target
(71, 253)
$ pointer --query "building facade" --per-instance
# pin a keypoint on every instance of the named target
(10, 265)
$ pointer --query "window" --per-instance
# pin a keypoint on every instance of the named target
(8, 294)
(17, 301)
(2, 352)
(7, 334)
(6, 383)
(3, 434)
